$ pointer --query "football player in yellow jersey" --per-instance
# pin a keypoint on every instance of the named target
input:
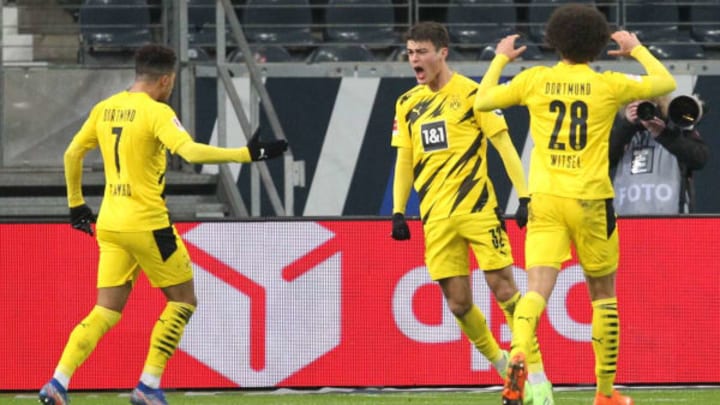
(572, 109)
(442, 148)
(133, 130)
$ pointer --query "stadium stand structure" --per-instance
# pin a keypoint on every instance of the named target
(705, 21)
(286, 22)
(52, 33)
(113, 29)
(367, 22)
(657, 23)
(39, 193)
(341, 53)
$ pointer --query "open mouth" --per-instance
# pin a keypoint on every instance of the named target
(419, 73)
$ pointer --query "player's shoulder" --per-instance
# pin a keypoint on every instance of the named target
(462, 80)
(613, 76)
(112, 99)
(461, 84)
(530, 75)
(408, 95)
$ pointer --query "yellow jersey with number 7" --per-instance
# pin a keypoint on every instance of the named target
(133, 132)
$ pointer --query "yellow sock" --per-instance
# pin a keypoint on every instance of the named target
(166, 336)
(525, 319)
(534, 358)
(475, 327)
(84, 338)
(605, 342)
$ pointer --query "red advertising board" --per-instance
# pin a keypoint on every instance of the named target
(339, 303)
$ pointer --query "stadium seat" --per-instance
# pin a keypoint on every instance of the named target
(532, 52)
(341, 53)
(479, 24)
(705, 21)
(71, 7)
(475, 22)
(201, 22)
(114, 24)
(360, 21)
(262, 54)
(656, 22)
(197, 54)
(284, 22)
(538, 13)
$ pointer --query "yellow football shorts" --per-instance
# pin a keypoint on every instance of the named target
(447, 241)
(556, 222)
(161, 254)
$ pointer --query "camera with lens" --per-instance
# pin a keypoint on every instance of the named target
(647, 111)
(685, 111)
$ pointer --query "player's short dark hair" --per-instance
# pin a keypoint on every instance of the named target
(578, 32)
(154, 60)
(429, 31)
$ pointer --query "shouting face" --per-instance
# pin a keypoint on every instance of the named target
(426, 61)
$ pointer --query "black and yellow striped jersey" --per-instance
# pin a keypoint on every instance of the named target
(449, 146)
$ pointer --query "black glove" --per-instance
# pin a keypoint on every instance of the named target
(265, 150)
(81, 217)
(400, 230)
(521, 215)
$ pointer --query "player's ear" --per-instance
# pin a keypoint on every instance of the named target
(444, 52)
(167, 79)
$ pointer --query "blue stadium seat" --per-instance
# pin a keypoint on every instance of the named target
(705, 21)
(360, 21)
(201, 22)
(532, 52)
(262, 54)
(479, 24)
(538, 13)
(198, 54)
(341, 53)
(656, 22)
(114, 24)
(284, 22)
(475, 22)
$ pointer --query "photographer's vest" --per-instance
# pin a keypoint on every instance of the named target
(647, 179)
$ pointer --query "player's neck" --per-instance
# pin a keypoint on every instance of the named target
(147, 88)
(572, 62)
(441, 79)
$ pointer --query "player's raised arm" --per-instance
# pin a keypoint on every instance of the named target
(659, 78)
(490, 96)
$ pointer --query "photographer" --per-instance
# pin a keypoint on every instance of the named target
(654, 156)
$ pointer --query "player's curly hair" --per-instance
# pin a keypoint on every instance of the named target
(154, 60)
(578, 32)
(429, 31)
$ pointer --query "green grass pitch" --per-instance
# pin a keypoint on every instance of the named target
(563, 396)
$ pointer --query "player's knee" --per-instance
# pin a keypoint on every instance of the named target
(459, 307)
